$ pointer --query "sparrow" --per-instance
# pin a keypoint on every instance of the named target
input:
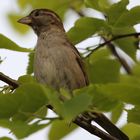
(58, 63)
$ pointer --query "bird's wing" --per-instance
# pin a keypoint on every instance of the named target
(80, 62)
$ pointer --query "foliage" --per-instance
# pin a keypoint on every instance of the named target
(10, 45)
(24, 110)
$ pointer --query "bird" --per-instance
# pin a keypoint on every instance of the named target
(58, 63)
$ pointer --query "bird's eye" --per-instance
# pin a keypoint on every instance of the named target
(36, 14)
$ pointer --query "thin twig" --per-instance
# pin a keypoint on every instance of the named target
(79, 121)
(80, 13)
(113, 39)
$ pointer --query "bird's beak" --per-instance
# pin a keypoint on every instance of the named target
(25, 20)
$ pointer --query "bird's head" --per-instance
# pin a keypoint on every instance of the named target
(41, 18)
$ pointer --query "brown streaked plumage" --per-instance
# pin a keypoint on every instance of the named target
(58, 63)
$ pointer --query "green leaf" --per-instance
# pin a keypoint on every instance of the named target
(92, 4)
(30, 68)
(6, 43)
(103, 70)
(132, 130)
(54, 100)
(5, 138)
(26, 100)
(103, 102)
(104, 4)
(84, 28)
(99, 5)
(100, 101)
(133, 14)
(8, 105)
(59, 6)
(137, 138)
(31, 98)
(136, 70)
(59, 129)
(116, 10)
(130, 44)
(69, 109)
(42, 112)
(124, 92)
(130, 79)
(103, 53)
(117, 112)
(26, 79)
(64, 92)
(77, 4)
(78, 104)
(134, 115)
(22, 129)
(19, 27)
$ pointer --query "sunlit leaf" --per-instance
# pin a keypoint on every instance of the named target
(6, 43)
(99, 54)
(19, 27)
(69, 109)
(31, 98)
(78, 104)
(130, 79)
(116, 10)
(134, 115)
(60, 129)
(117, 112)
(54, 100)
(100, 5)
(133, 14)
(125, 92)
(22, 129)
(8, 105)
(84, 28)
(129, 44)
(101, 71)
(100, 101)
(132, 130)
(26, 100)
(26, 79)
(59, 6)
(5, 138)
(136, 70)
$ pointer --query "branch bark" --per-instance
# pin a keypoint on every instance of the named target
(120, 59)
(93, 129)
(85, 124)
(13, 83)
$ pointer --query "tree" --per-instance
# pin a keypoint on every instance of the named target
(114, 81)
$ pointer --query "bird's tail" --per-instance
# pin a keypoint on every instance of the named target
(106, 124)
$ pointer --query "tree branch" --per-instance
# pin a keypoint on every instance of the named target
(93, 129)
(121, 59)
(85, 124)
(113, 39)
(8, 80)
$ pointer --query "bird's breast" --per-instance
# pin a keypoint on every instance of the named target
(56, 66)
